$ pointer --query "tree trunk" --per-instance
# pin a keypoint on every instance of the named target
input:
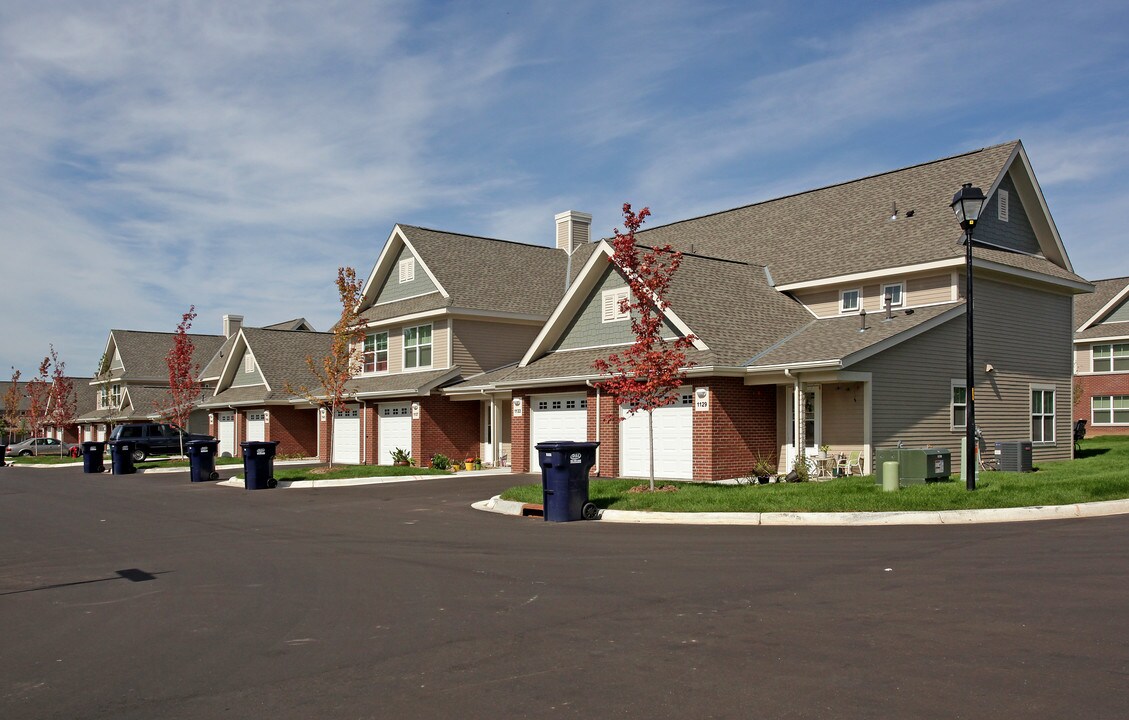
(651, 446)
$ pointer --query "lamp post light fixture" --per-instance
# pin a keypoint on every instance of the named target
(967, 204)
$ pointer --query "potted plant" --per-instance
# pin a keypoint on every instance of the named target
(764, 467)
(439, 461)
(401, 457)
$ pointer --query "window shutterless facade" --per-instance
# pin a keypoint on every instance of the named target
(1042, 414)
(1109, 410)
(897, 293)
(850, 301)
(958, 405)
(116, 395)
(417, 347)
(1111, 358)
(375, 355)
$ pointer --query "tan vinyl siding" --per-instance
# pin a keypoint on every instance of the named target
(1082, 356)
(842, 416)
(1024, 333)
(440, 342)
(480, 345)
(919, 290)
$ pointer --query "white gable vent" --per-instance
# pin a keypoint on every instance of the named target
(1001, 204)
(407, 270)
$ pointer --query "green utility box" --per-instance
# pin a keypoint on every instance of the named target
(915, 465)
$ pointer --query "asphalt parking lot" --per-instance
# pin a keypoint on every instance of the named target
(150, 597)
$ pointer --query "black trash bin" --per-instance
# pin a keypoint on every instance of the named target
(3, 455)
(121, 457)
(93, 457)
(258, 464)
(564, 479)
(202, 459)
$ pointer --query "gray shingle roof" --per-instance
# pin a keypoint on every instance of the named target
(836, 338)
(576, 364)
(423, 303)
(143, 353)
(401, 383)
(1086, 305)
(845, 228)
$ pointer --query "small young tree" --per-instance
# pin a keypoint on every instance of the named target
(38, 396)
(184, 383)
(12, 398)
(337, 368)
(61, 402)
(649, 373)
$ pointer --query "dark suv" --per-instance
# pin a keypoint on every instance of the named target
(154, 438)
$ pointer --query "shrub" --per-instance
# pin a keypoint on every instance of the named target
(439, 461)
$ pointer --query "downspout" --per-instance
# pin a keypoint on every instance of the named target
(494, 454)
(589, 384)
(364, 432)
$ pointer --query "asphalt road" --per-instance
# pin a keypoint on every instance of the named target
(150, 597)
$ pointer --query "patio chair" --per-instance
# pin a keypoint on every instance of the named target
(987, 459)
(1079, 433)
(850, 463)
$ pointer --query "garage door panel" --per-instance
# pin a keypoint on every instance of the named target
(225, 433)
(256, 426)
(394, 430)
(347, 435)
(557, 417)
(673, 441)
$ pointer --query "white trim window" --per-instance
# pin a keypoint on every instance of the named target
(1110, 358)
(1042, 414)
(248, 363)
(850, 301)
(611, 302)
(103, 398)
(116, 395)
(417, 347)
(1109, 410)
(897, 293)
(374, 357)
(958, 405)
(407, 270)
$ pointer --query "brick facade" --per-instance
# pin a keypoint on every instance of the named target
(519, 435)
(448, 427)
(295, 430)
(1086, 387)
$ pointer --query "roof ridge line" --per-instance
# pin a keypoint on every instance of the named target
(830, 186)
(477, 237)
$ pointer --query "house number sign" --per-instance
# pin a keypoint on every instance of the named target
(701, 399)
(517, 407)
(415, 411)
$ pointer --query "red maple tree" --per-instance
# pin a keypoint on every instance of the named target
(38, 396)
(184, 384)
(334, 370)
(647, 375)
(61, 400)
(12, 398)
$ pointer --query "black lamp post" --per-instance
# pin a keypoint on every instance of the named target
(967, 204)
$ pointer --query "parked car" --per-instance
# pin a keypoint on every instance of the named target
(44, 446)
(155, 438)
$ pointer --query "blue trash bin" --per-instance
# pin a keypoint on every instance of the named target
(121, 457)
(93, 457)
(258, 464)
(202, 459)
(564, 479)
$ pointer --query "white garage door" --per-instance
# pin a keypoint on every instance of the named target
(256, 426)
(556, 417)
(101, 434)
(87, 433)
(226, 435)
(347, 435)
(394, 430)
(674, 441)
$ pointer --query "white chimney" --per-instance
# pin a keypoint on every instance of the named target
(573, 229)
(231, 324)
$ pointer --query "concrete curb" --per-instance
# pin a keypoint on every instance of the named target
(47, 466)
(927, 517)
(237, 482)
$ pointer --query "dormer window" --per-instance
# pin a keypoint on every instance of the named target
(116, 395)
(896, 293)
(407, 270)
(849, 301)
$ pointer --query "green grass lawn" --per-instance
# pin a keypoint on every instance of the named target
(352, 471)
(1099, 472)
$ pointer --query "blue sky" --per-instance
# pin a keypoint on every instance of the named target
(232, 155)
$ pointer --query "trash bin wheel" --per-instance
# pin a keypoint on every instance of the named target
(272, 483)
(214, 476)
(589, 511)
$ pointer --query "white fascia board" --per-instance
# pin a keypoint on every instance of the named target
(874, 274)
(228, 372)
(807, 365)
(1030, 275)
(1108, 338)
(1021, 154)
(882, 345)
(1106, 308)
(576, 293)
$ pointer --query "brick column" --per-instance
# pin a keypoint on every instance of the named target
(323, 434)
(608, 421)
(519, 436)
(371, 423)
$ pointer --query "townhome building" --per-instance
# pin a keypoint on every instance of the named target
(1101, 358)
(830, 318)
(439, 307)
